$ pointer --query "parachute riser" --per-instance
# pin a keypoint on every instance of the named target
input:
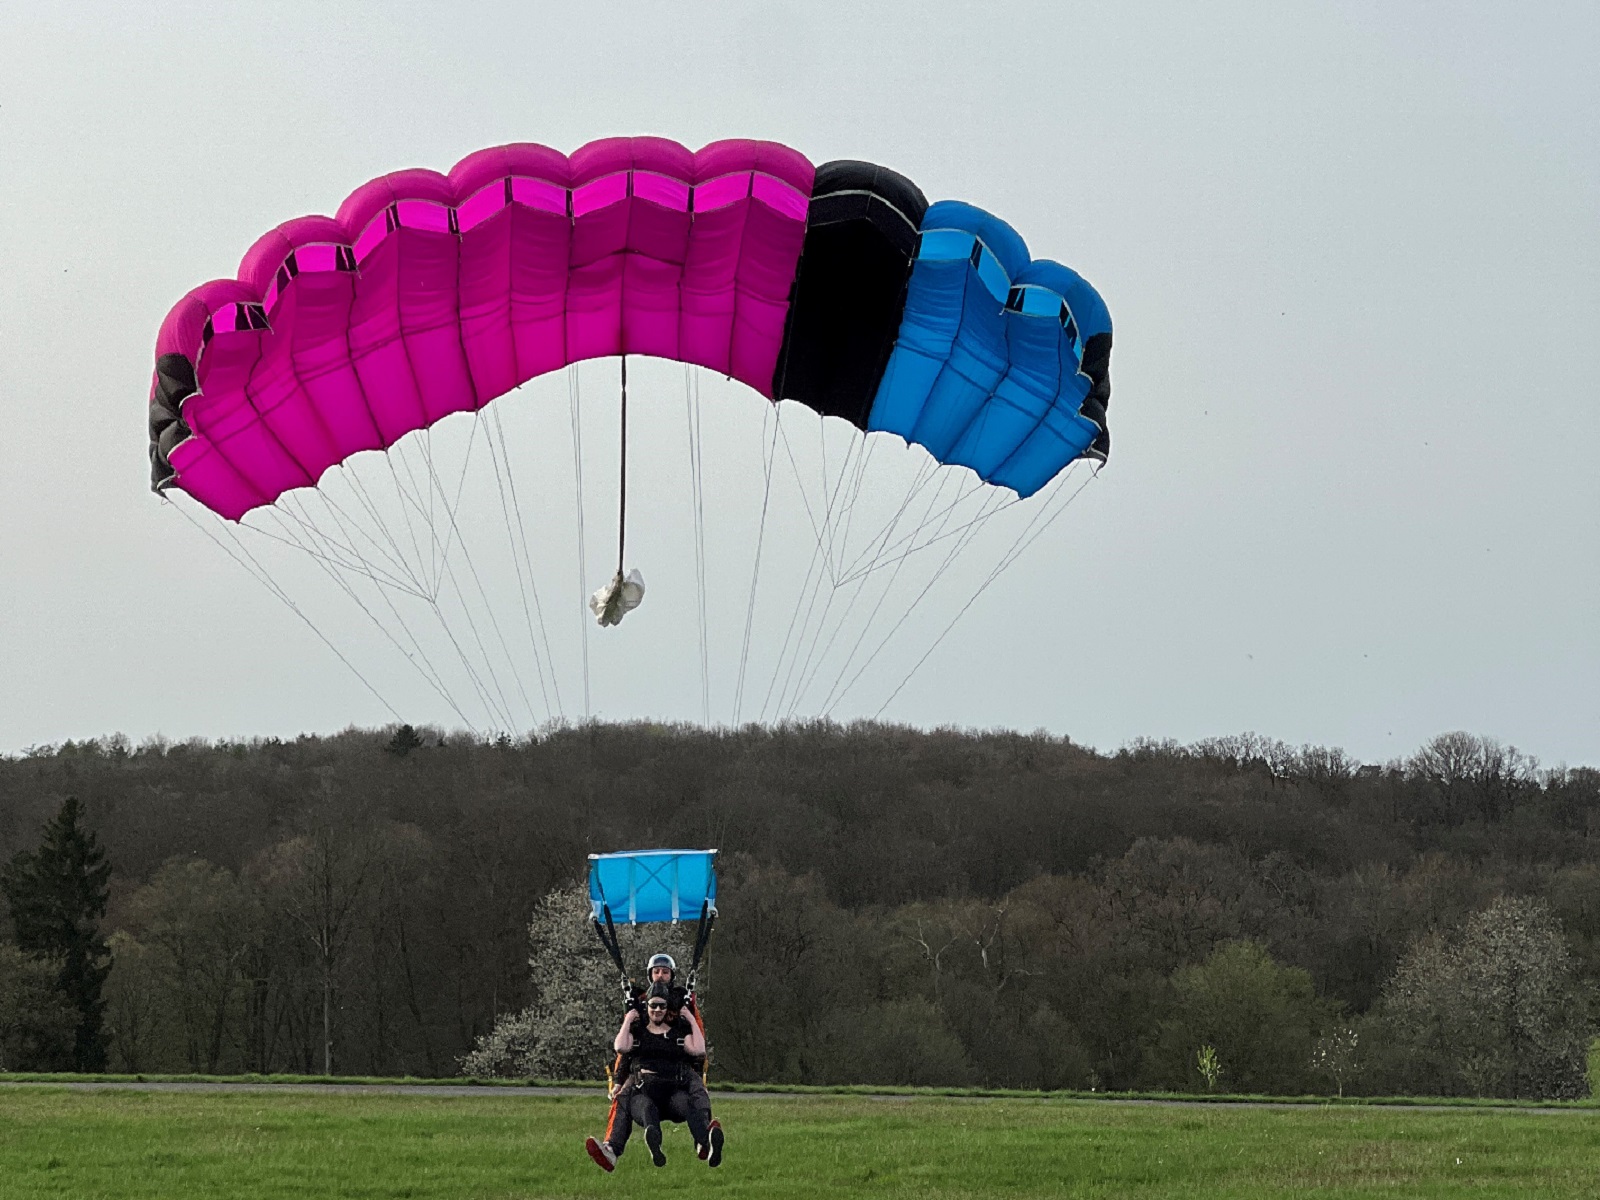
(702, 939)
(708, 918)
(608, 938)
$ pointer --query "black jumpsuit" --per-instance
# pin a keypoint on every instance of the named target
(660, 1086)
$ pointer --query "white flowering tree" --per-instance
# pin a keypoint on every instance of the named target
(577, 996)
(1335, 1055)
(1495, 1008)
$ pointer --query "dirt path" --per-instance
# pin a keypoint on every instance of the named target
(598, 1095)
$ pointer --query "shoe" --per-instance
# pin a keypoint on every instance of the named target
(604, 1156)
(716, 1145)
(652, 1138)
(702, 1150)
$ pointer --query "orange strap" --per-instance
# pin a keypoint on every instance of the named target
(705, 1061)
(611, 1117)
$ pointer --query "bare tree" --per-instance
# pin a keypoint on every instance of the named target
(1471, 776)
(135, 1003)
(315, 881)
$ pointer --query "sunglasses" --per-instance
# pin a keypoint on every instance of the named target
(656, 1007)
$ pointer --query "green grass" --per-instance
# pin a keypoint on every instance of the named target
(251, 1146)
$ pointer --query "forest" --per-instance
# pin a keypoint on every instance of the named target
(896, 906)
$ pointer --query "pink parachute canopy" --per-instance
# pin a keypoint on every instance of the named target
(430, 294)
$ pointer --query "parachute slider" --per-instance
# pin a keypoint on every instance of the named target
(618, 598)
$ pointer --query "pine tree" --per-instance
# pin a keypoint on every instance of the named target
(57, 895)
(405, 740)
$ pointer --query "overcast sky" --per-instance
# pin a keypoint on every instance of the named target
(1352, 252)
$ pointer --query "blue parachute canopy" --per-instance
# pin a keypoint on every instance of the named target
(639, 886)
(1001, 360)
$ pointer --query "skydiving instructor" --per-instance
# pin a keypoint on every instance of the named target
(660, 1047)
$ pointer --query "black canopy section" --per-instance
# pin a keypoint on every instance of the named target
(1097, 366)
(174, 384)
(849, 291)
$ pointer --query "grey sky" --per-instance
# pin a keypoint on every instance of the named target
(1351, 252)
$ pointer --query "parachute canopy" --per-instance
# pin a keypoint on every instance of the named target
(641, 886)
(837, 286)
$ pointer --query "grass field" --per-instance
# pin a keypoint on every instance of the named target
(56, 1143)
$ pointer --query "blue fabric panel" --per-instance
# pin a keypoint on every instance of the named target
(974, 368)
(643, 886)
(951, 347)
(1004, 242)
(1088, 309)
(935, 298)
(1059, 435)
(1059, 439)
(1038, 366)
(985, 370)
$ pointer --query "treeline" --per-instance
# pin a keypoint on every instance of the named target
(898, 906)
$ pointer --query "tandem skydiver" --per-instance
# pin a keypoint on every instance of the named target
(657, 1076)
(662, 969)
